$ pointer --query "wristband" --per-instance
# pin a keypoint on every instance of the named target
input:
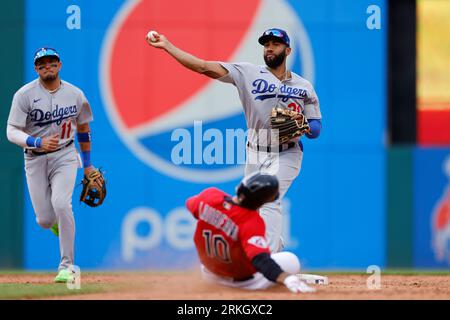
(315, 127)
(84, 136)
(33, 142)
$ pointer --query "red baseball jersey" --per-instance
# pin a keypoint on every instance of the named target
(227, 236)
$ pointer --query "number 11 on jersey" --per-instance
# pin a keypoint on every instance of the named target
(66, 125)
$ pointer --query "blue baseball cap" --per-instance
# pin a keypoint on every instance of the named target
(275, 33)
(45, 52)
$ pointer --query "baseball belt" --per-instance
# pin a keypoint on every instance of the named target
(38, 153)
(281, 147)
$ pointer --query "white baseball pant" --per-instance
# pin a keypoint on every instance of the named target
(286, 260)
(285, 166)
(51, 180)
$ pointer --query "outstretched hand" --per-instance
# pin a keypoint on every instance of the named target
(296, 285)
(160, 41)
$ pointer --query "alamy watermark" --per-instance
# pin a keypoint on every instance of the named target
(373, 21)
(73, 21)
(374, 280)
(215, 147)
(75, 282)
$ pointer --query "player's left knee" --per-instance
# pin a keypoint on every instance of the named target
(288, 261)
(61, 206)
(45, 223)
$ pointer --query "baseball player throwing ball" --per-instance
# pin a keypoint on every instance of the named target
(44, 116)
(272, 97)
(230, 238)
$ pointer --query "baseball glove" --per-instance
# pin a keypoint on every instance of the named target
(288, 124)
(94, 188)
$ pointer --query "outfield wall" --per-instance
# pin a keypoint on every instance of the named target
(335, 212)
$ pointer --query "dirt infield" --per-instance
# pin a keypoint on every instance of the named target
(190, 286)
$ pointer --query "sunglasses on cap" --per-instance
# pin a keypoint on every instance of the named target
(45, 52)
(273, 32)
(276, 33)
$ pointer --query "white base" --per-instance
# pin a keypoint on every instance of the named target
(313, 279)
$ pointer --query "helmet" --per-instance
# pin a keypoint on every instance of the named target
(257, 189)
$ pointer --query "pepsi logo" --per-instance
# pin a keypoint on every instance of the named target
(148, 95)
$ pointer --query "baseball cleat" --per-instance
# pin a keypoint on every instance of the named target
(313, 279)
(55, 230)
(64, 276)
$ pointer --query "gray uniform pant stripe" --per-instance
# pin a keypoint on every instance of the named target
(286, 167)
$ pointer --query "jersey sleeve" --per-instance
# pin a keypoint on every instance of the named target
(85, 114)
(312, 107)
(19, 111)
(236, 73)
(252, 237)
(192, 205)
(209, 195)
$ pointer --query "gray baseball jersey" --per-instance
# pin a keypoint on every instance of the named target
(260, 91)
(41, 114)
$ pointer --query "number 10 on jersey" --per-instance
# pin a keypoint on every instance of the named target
(217, 246)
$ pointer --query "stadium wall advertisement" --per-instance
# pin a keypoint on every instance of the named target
(146, 107)
(431, 207)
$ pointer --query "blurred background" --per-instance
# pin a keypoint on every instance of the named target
(373, 189)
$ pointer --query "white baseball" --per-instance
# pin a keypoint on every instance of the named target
(151, 35)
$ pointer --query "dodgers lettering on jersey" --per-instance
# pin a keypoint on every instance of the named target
(263, 90)
(41, 119)
(260, 91)
(227, 236)
(41, 114)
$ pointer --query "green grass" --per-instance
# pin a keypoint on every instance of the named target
(19, 271)
(30, 291)
(403, 272)
(408, 272)
(43, 290)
